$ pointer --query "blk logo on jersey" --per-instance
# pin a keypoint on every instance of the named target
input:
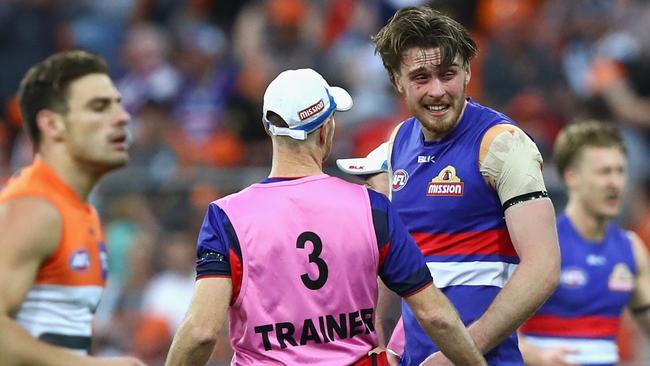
(400, 177)
(426, 159)
(447, 183)
(80, 260)
(573, 278)
(596, 260)
(621, 278)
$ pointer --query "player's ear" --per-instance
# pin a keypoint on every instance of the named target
(50, 123)
(396, 82)
(468, 74)
(322, 133)
(570, 177)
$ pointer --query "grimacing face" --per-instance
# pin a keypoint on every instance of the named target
(433, 93)
(95, 124)
(597, 180)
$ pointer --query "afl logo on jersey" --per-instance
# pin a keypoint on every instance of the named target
(573, 278)
(446, 183)
(400, 177)
(80, 260)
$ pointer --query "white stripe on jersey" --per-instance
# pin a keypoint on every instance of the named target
(59, 309)
(590, 351)
(471, 273)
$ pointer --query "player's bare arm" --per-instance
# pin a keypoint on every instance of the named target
(440, 321)
(640, 303)
(511, 164)
(388, 313)
(31, 230)
(195, 339)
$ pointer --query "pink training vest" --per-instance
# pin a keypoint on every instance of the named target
(309, 283)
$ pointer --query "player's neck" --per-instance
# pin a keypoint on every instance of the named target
(590, 226)
(78, 177)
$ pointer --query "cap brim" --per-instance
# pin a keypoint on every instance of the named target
(341, 97)
(358, 166)
(374, 162)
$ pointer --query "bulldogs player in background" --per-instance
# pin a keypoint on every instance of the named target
(605, 269)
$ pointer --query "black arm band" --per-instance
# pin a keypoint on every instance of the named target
(640, 309)
(523, 198)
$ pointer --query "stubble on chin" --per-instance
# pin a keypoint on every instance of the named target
(439, 128)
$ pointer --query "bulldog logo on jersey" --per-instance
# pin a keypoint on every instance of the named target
(447, 183)
(621, 278)
(400, 177)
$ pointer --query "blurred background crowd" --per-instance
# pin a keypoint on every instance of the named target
(193, 72)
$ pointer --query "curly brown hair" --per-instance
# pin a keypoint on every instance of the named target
(423, 27)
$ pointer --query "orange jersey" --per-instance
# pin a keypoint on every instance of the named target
(59, 307)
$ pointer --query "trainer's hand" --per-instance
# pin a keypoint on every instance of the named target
(119, 361)
(554, 357)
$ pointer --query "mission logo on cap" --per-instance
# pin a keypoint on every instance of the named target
(304, 100)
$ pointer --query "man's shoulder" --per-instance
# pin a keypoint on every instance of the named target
(221, 201)
(31, 221)
(486, 112)
(266, 188)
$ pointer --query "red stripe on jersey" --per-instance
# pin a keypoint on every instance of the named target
(236, 273)
(477, 242)
(383, 252)
(584, 326)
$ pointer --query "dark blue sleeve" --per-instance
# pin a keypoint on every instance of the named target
(401, 264)
(214, 244)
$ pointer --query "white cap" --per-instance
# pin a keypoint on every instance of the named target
(304, 100)
(375, 162)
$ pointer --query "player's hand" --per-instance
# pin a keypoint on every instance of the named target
(120, 361)
(393, 359)
(555, 357)
(436, 359)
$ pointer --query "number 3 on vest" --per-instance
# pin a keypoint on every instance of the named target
(313, 258)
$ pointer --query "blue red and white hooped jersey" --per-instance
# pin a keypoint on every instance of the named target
(458, 222)
(596, 283)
